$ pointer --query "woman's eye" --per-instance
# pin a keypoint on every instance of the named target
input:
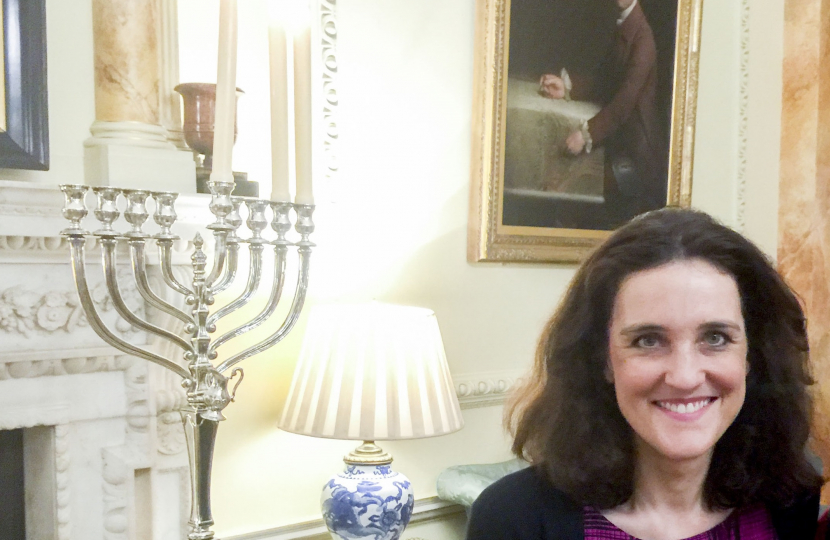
(647, 342)
(715, 339)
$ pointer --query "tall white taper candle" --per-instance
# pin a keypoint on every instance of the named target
(302, 109)
(279, 110)
(223, 130)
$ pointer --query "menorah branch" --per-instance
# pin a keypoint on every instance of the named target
(166, 263)
(273, 301)
(76, 246)
(220, 254)
(229, 275)
(139, 264)
(109, 262)
(287, 325)
(254, 277)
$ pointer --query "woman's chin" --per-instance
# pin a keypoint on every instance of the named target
(679, 449)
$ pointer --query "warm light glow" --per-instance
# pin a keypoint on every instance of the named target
(293, 15)
(372, 372)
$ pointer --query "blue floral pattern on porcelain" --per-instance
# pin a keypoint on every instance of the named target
(367, 502)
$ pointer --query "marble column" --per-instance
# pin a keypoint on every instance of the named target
(804, 193)
(136, 52)
(127, 70)
(126, 60)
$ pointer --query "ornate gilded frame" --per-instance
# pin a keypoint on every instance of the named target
(487, 238)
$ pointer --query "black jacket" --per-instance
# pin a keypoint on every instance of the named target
(525, 506)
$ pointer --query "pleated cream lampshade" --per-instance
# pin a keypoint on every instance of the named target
(372, 372)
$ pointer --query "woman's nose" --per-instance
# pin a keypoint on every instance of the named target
(684, 369)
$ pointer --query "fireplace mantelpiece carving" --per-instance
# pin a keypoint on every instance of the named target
(100, 438)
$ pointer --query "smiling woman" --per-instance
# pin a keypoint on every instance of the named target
(668, 400)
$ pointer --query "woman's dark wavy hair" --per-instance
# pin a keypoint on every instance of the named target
(566, 420)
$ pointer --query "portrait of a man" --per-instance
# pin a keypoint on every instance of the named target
(588, 111)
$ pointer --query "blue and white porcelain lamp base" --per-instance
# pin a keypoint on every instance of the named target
(368, 499)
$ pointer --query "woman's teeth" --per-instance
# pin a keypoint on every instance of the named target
(685, 408)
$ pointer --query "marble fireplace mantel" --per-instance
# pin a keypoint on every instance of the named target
(102, 441)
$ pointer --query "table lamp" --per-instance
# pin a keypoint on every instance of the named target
(371, 372)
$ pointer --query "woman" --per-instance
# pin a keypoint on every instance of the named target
(668, 400)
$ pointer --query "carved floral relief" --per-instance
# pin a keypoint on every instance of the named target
(26, 311)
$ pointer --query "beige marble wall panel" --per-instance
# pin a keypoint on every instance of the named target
(804, 207)
(126, 60)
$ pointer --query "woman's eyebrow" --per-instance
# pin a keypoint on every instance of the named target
(642, 328)
(722, 325)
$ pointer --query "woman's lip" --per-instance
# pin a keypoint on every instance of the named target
(685, 401)
(685, 408)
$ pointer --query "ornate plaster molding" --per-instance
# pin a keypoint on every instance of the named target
(138, 408)
(26, 417)
(485, 389)
(170, 434)
(116, 475)
(328, 42)
(24, 199)
(169, 430)
(33, 243)
(62, 482)
(54, 364)
(743, 119)
(120, 463)
(17, 244)
(30, 312)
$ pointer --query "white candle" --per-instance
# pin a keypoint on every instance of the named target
(279, 113)
(225, 94)
(302, 110)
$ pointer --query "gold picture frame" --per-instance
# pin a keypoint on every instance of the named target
(489, 237)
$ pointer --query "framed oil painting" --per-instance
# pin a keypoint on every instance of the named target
(24, 121)
(583, 117)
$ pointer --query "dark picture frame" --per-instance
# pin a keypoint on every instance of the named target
(533, 199)
(24, 144)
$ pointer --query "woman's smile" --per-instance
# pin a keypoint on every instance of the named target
(685, 408)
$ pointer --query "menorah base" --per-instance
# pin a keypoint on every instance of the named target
(200, 535)
(201, 439)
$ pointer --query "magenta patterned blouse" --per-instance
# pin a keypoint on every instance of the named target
(753, 523)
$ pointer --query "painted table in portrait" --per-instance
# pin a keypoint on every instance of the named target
(583, 117)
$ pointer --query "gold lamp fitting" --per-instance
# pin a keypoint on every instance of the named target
(368, 453)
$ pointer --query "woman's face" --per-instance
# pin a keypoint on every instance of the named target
(677, 347)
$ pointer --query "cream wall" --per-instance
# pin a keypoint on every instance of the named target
(739, 116)
(392, 224)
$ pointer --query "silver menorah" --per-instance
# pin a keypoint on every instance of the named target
(206, 385)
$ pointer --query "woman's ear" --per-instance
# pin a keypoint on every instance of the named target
(609, 373)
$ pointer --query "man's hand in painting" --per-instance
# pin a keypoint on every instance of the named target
(552, 86)
(575, 142)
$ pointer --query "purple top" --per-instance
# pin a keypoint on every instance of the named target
(752, 523)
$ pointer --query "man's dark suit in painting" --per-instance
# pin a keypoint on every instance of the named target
(628, 124)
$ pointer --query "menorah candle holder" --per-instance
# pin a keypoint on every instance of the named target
(206, 385)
